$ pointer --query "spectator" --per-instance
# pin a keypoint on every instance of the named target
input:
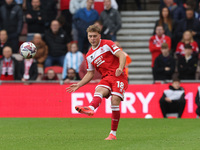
(173, 99)
(83, 71)
(120, 4)
(73, 59)
(99, 5)
(164, 65)
(156, 41)
(35, 19)
(190, 23)
(197, 13)
(187, 65)
(187, 39)
(166, 21)
(50, 76)
(64, 7)
(49, 8)
(177, 12)
(42, 50)
(71, 76)
(12, 21)
(56, 40)
(104, 34)
(197, 101)
(50, 11)
(74, 6)
(111, 19)
(28, 70)
(3, 41)
(19, 2)
(82, 20)
(8, 65)
(178, 2)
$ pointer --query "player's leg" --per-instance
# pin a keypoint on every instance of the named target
(115, 101)
(100, 92)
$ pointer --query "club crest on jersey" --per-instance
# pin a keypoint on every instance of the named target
(91, 57)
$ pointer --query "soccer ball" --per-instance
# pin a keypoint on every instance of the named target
(28, 50)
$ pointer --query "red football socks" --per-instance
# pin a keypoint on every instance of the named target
(115, 117)
(96, 100)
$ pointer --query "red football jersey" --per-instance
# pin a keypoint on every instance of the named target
(103, 58)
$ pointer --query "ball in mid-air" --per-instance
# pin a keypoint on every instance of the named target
(28, 50)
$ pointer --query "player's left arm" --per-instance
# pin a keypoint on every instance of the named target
(122, 62)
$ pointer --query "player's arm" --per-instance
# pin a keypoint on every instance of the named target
(87, 78)
(122, 62)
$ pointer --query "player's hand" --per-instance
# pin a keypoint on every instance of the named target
(72, 88)
(118, 72)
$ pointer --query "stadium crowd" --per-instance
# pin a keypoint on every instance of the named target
(176, 39)
(58, 29)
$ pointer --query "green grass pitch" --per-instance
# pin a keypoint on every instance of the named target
(89, 134)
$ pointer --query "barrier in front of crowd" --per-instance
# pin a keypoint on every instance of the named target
(51, 100)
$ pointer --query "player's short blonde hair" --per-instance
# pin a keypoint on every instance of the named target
(94, 28)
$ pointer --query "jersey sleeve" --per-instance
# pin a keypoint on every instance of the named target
(113, 47)
(90, 67)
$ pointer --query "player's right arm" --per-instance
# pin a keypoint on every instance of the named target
(87, 78)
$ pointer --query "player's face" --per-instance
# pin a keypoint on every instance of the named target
(94, 38)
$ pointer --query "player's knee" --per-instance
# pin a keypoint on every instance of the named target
(115, 100)
(103, 91)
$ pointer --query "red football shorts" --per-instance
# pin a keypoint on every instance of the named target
(116, 85)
